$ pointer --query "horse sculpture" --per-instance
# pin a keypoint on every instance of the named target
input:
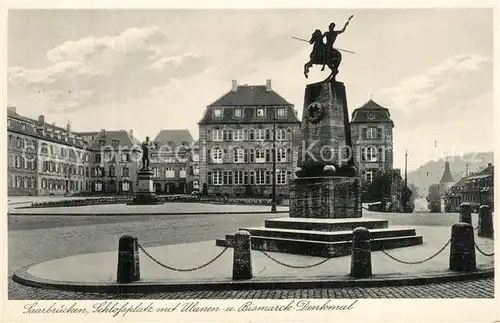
(322, 55)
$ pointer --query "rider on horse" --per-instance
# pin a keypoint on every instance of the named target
(325, 54)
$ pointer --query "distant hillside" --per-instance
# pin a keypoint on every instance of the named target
(431, 172)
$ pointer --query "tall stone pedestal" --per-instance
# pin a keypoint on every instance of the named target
(325, 196)
(325, 130)
(145, 194)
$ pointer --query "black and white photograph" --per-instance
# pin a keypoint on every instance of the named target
(277, 162)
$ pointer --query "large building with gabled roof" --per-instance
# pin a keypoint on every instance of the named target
(235, 142)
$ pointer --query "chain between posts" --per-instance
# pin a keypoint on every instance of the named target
(181, 269)
(482, 252)
(420, 261)
(296, 266)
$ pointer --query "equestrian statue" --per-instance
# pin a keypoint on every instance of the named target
(325, 54)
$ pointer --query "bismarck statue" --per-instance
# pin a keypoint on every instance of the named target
(146, 158)
(325, 54)
(145, 194)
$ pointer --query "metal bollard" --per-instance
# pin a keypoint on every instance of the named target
(361, 261)
(128, 260)
(462, 248)
(465, 213)
(485, 225)
(242, 257)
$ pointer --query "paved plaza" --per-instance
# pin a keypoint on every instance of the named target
(36, 239)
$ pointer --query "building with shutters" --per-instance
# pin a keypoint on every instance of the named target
(22, 146)
(115, 159)
(170, 161)
(372, 140)
(236, 142)
(44, 159)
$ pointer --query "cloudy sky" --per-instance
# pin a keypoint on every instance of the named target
(149, 70)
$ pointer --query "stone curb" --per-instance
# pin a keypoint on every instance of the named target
(155, 286)
(145, 213)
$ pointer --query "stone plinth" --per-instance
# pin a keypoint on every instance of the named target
(325, 197)
(325, 130)
(145, 194)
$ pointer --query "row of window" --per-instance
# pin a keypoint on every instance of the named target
(248, 177)
(372, 154)
(124, 186)
(371, 132)
(21, 162)
(100, 171)
(72, 153)
(238, 112)
(249, 134)
(241, 155)
(59, 184)
(169, 172)
(20, 142)
(16, 181)
(65, 169)
(109, 156)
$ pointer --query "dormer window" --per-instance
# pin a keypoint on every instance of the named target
(102, 142)
(260, 112)
(218, 113)
(371, 115)
(237, 112)
(281, 113)
(115, 143)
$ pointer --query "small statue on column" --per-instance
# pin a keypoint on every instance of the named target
(146, 146)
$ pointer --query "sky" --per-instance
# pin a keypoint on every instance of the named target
(149, 70)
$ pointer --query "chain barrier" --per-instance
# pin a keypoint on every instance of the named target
(181, 269)
(482, 252)
(296, 266)
(420, 261)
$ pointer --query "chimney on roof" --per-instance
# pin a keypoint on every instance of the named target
(68, 128)
(41, 120)
(131, 133)
(103, 132)
(234, 86)
(268, 85)
(13, 109)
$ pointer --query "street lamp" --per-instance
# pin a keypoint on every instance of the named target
(273, 202)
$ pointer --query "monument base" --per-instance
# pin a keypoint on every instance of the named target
(145, 193)
(323, 237)
(325, 197)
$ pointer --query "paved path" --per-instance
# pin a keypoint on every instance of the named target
(469, 289)
(34, 239)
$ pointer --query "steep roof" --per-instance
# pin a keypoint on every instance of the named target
(447, 177)
(250, 95)
(485, 172)
(29, 129)
(177, 136)
(371, 112)
(249, 115)
(123, 137)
